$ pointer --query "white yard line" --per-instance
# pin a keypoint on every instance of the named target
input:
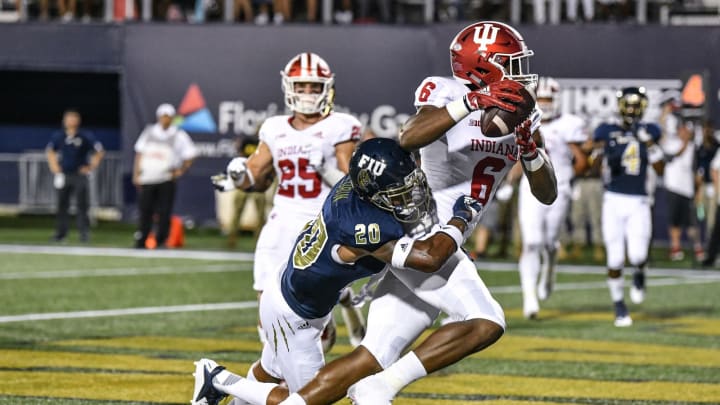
(128, 271)
(253, 304)
(119, 252)
(593, 269)
(592, 285)
(129, 311)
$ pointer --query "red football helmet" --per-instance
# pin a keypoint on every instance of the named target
(308, 68)
(548, 97)
(487, 52)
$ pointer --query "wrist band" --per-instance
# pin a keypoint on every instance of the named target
(457, 109)
(454, 233)
(402, 250)
(535, 164)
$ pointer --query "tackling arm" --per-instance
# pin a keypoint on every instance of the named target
(426, 255)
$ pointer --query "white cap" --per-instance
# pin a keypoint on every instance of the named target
(165, 109)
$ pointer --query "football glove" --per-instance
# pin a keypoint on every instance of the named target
(500, 94)
(527, 148)
(468, 210)
(222, 182)
(237, 169)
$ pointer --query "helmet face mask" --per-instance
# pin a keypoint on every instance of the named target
(632, 102)
(308, 68)
(407, 201)
(489, 51)
(387, 176)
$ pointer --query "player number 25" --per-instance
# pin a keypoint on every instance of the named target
(289, 171)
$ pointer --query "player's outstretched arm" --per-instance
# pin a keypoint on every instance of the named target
(426, 255)
(430, 122)
(536, 164)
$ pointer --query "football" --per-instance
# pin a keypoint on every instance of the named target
(497, 122)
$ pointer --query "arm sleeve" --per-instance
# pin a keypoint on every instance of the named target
(432, 91)
(186, 146)
(95, 145)
(349, 131)
(142, 140)
(54, 143)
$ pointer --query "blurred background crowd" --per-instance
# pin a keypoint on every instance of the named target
(263, 12)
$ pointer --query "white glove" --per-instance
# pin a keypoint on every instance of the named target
(59, 181)
(504, 193)
(643, 135)
(237, 169)
(222, 182)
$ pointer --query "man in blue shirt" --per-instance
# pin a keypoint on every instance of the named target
(72, 154)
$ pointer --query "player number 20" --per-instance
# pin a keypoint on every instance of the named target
(364, 233)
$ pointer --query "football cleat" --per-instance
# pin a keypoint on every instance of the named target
(622, 315)
(637, 291)
(205, 392)
(370, 390)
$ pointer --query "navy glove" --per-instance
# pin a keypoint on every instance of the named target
(468, 210)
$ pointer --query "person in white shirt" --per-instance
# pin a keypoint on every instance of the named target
(679, 181)
(163, 153)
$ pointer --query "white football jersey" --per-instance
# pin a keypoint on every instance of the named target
(463, 161)
(557, 133)
(300, 187)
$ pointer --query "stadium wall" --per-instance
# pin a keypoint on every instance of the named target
(225, 78)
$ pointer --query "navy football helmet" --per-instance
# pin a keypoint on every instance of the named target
(387, 176)
(632, 102)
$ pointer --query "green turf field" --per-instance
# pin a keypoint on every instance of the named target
(85, 328)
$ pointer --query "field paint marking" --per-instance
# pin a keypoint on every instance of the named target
(128, 271)
(120, 252)
(594, 269)
(253, 304)
(592, 285)
(129, 311)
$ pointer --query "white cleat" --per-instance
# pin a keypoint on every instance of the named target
(637, 295)
(623, 321)
(204, 392)
(370, 391)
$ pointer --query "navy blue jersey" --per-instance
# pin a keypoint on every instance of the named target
(626, 156)
(313, 280)
(74, 150)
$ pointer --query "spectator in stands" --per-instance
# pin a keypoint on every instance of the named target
(705, 153)
(540, 15)
(72, 155)
(244, 6)
(163, 153)
(281, 11)
(66, 10)
(714, 242)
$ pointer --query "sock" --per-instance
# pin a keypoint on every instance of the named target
(294, 399)
(403, 372)
(616, 286)
(251, 391)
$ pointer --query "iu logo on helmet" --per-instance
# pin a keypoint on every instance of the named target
(485, 35)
